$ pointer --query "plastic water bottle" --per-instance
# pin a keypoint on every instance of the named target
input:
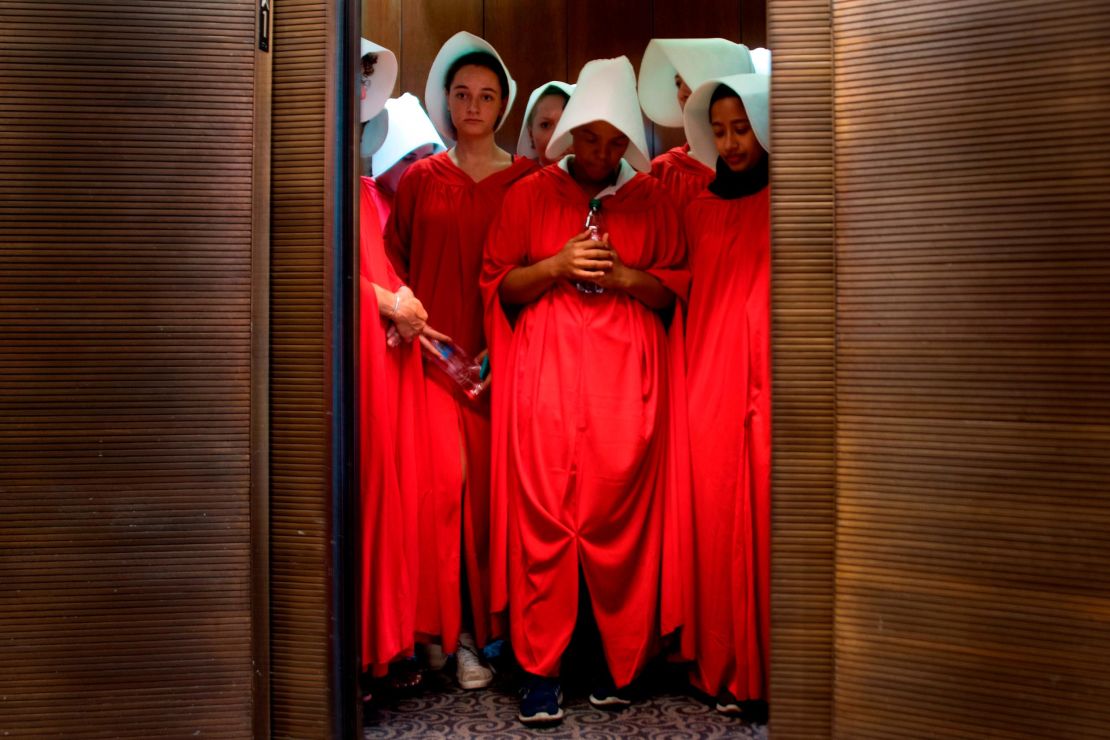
(453, 360)
(596, 227)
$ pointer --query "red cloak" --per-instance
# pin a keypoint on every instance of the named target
(729, 392)
(382, 198)
(435, 235)
(391, 413)
(581, 425)
(684, 177)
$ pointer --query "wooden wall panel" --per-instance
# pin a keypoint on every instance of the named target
(804, 353)
(973, 370)
(425, 25)
(128, 193)
(381, 23)
(547, 21)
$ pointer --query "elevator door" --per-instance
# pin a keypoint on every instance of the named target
(131, 189)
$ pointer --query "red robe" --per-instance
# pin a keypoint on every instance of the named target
(382, 198)
(729, 392)
(684, 177)
(435, 235)
(391, 412)
(581, 425)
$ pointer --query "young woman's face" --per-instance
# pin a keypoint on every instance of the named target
(733, 135)
(392, 176)
(545, 116)
(598, 148)
(683, 91)
(474, 101)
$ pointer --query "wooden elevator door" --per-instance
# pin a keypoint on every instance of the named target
(129, 203)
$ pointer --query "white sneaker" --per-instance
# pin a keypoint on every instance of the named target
(468, 666)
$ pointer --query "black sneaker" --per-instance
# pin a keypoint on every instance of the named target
(540, 701)
(606, 695)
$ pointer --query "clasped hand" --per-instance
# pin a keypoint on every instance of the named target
(590, 260)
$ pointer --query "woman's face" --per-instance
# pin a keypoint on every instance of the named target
(598, 148)
(733, 135)
(474, 101)
(683, 91)
(392, 176)
(545, 116)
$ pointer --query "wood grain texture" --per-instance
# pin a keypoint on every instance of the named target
(531, 36)
(381, 23)
(972, 369)
(804, 352)
(128, 188)
(300, 368)
(425, 26)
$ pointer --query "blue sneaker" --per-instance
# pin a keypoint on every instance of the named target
(540, 701)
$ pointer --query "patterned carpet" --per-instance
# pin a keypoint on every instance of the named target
(442, 710)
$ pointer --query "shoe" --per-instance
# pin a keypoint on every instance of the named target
(434, 656)
(468, 666)
(540, 701)
(606, 695)
(405, 675)
(727, 704)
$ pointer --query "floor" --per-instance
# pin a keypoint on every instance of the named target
(441, 710)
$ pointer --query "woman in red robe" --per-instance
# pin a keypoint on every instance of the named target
(582, 392)
(729, 389)
(441, 214)
(391, 400)
(671, 67)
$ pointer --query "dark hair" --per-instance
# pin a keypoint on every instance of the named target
(721, 93)
(549, 90)
(478, 59)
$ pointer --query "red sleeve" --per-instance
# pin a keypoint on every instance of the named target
(669, 263)
(398, 232)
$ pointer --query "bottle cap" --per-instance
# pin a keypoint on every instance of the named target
(595, 204)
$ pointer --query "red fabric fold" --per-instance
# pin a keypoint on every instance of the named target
(729, 395)
(582, 424)
(391, 417)
(434, 238)
(684, 177)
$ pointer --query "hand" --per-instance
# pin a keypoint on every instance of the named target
(410, 318)
(614, 279)
(392, 336)
(583, 258)
(481, 357)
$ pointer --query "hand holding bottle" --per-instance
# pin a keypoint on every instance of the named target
(583, 258)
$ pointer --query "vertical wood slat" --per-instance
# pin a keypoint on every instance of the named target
(803, 351)
(302, 689)
(973, 358)
(127, 196)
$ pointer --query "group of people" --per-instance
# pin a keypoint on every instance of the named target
(616, 460)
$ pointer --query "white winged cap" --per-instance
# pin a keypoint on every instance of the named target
(754, 91)
(409, 129)
(605, 91)
(435, 90)
(380, 86)
(524, 145)
(696, 60)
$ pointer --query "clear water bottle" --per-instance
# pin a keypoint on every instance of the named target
(596, 227)
(453, 360)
